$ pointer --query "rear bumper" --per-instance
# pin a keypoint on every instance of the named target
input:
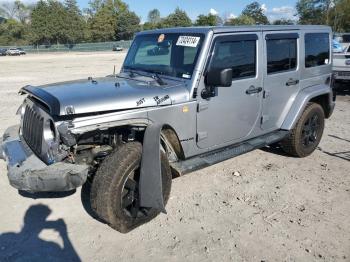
(27, 172)
(341, 75)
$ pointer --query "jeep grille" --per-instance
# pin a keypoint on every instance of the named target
(32, 129)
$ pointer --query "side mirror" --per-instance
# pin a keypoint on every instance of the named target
(219, 77)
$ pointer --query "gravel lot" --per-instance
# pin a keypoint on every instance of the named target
(277, 208)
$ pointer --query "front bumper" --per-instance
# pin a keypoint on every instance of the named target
(27, 172)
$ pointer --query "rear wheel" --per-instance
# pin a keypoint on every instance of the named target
(114, 192)
(306, 135)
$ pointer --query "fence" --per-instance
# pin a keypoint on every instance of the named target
(83, 47)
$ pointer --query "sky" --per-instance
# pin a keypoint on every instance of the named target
(274, 9)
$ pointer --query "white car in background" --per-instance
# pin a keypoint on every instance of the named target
(341, 65)
(13, 51)
(343, 39)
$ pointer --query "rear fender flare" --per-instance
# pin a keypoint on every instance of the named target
(300, 102)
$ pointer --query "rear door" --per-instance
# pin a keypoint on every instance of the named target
(281, 77)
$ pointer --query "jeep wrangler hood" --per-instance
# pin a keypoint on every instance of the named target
(106, 94)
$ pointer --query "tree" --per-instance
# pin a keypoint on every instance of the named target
(241, 20)
(255, 11)
(154, 16)
(283, 21)
(314, 11)
(149, 26)
(15, 10)
(94, 6)
(13, 32)
(75, 24)
(49, 23)
(177, 19)
(102, 24)
(340, 16)
(128, 23)
(208, 20)
(154, 20)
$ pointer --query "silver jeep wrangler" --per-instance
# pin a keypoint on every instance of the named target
(185, 98)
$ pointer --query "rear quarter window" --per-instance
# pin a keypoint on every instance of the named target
(316, 49)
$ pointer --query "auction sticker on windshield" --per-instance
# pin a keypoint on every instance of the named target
(189, 41)
(161, 38)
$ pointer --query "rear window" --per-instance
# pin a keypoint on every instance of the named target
(316, 49)
(281, 55)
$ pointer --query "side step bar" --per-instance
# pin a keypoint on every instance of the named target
(217, 156)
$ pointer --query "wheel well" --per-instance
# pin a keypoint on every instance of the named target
(171, 137)
(323, 100)
(171, 142)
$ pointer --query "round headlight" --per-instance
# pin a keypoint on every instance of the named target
(49, 131)
(21, 110)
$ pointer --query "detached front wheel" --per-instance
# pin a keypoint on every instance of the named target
(306, 135)
(114, 192)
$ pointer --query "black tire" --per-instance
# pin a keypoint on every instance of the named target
(306, 135)
(116, 182)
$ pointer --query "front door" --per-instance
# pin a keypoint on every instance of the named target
(232, 112)
(281, 77)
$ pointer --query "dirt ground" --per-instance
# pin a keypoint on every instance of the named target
(277, 209)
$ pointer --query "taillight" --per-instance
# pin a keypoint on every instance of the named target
(330, 81)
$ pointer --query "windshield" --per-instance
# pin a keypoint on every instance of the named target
(337, 47)
(343, 38)
(165, 54)
(346, 38)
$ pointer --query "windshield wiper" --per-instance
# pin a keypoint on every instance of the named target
(159, 79)
(154, 76)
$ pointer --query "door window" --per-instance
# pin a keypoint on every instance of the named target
(316, 49)
(239, 55)
(281, 55)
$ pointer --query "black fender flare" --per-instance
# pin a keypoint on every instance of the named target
(150, 188)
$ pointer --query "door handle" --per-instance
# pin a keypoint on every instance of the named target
(292, 82)
(253, 90)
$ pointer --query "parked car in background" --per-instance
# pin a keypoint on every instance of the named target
(13, 51)
(3, 52)
(117, 48)
(343, 39)
(21, 51)
(341, 65)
